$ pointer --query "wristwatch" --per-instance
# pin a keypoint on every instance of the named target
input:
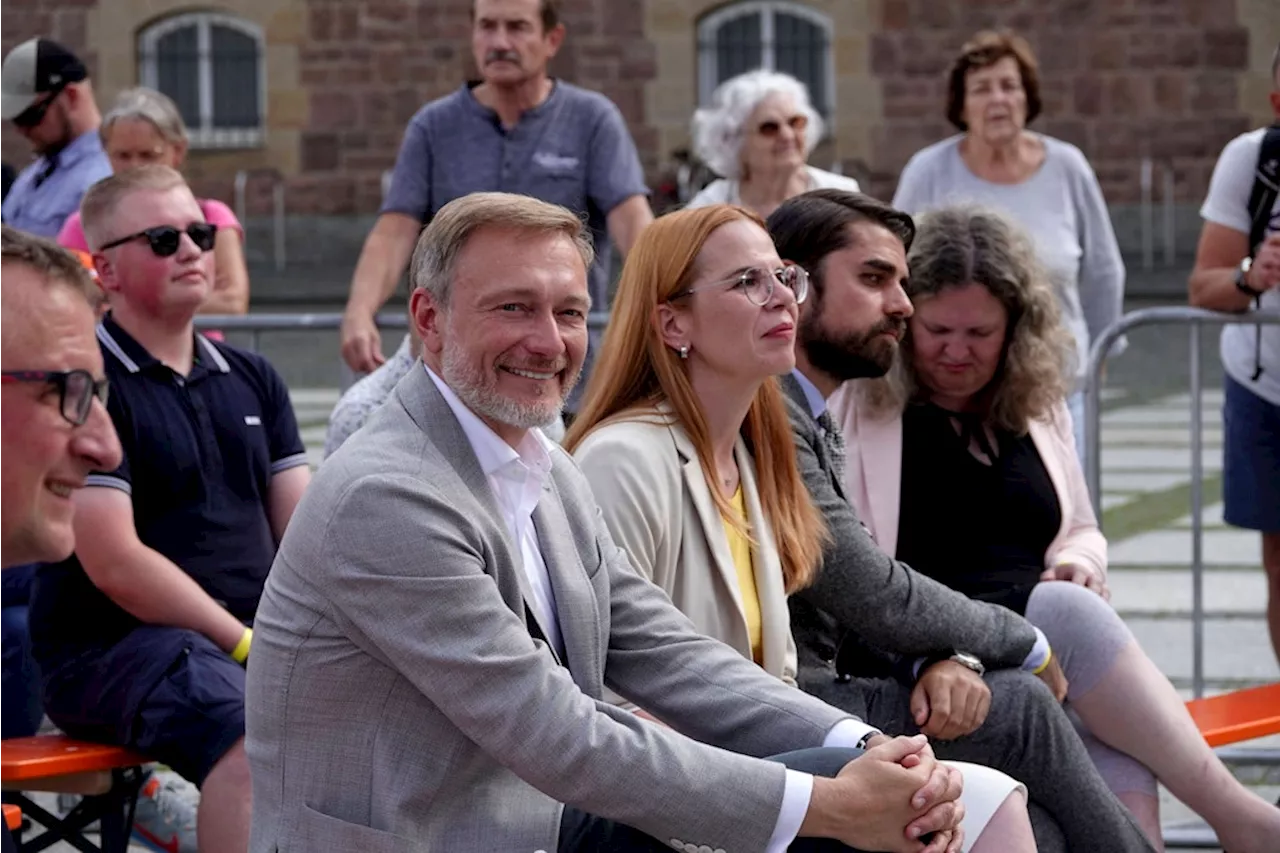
(965, 659)
(1242, 278)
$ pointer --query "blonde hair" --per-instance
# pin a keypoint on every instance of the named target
(155, 108)
(99, 205)
(636, 371)
(436, 254)
(962, 245)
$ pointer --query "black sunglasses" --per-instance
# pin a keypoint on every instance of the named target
(76, 390)
(34, 114)
(165, 239)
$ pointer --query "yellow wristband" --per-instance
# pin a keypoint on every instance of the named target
(241, 652)
(1041, 668)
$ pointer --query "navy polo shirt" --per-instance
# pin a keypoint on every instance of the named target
(199, 455)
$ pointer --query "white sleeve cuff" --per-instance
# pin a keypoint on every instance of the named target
(848, 732)
(795, 804)
(1039, 652)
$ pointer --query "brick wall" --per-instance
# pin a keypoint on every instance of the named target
(1170, 79)
(1122, 79)
(370, 65)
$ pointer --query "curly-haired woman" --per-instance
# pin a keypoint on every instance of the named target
(966, 470)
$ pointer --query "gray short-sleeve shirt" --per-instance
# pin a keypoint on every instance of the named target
(573, 149)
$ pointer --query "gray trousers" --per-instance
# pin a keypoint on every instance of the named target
(1026, 735)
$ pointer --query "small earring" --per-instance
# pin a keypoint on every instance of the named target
(684, 351)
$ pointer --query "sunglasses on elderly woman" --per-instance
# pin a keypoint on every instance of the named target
(165, 239)
(76, 390)
(771, 128)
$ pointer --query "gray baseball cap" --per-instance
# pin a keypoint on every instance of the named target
(33, 68)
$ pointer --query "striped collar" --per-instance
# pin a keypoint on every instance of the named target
(134, 357)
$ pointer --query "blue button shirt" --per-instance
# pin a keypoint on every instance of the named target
(199, 454)
(817, 402)
(41, 198)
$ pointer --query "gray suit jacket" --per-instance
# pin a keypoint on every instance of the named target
(865, 601)
(396, 700)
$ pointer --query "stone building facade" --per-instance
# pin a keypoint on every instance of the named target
(336, 80)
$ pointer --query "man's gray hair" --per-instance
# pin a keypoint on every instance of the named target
(436, 255)
(155, 108)
(718, 130)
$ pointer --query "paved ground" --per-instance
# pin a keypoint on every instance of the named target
(1146, 486)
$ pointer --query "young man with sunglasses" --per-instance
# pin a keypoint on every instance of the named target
(141, 637)
(49, 100)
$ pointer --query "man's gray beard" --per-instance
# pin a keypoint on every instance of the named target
(472, 390)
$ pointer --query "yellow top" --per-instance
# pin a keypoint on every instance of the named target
(740, 548)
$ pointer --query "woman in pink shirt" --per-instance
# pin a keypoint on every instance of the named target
(144, 127)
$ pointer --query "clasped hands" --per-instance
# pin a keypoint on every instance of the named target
(895, 797)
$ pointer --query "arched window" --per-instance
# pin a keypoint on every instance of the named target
(212, 65)
(779, 36)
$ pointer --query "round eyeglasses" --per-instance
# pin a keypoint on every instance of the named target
(76, 390)
(757, 283)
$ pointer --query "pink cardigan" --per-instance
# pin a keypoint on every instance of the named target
(873, 478)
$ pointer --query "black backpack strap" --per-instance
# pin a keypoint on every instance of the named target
(1266, 186)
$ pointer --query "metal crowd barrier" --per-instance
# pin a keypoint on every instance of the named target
(277, 205)
(1195, 319)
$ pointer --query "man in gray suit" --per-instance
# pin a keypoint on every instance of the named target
(447, 607)
(878, 613)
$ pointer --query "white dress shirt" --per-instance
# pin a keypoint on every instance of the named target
(517, 476)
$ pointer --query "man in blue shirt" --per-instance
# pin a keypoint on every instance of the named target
(49, 99)
(517, 130)
(141, 636)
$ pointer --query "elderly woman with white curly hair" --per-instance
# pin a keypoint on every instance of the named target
(757, 135)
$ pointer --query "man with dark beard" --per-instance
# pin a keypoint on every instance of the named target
(962, 669)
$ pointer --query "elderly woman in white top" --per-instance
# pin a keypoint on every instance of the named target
(1042, 183)
(757, 135)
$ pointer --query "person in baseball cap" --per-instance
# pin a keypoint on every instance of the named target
(48, 98)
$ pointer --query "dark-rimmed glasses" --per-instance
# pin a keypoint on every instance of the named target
(165, 239)
(34, 114)
(76, 390)
(757, 283)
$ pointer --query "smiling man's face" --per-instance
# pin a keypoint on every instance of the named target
(512, 340)
(46, 458)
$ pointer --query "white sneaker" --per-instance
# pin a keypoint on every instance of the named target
(165, 819)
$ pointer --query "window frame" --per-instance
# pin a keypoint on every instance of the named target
(709, 27)
(207, 135)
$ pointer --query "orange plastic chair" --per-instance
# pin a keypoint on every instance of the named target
(12, 817)
(109, 778)
(1239, 715)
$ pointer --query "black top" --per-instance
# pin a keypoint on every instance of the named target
(981, 529)
(199, 455)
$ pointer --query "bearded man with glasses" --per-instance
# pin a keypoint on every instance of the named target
(49, 100)
(176, 539)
